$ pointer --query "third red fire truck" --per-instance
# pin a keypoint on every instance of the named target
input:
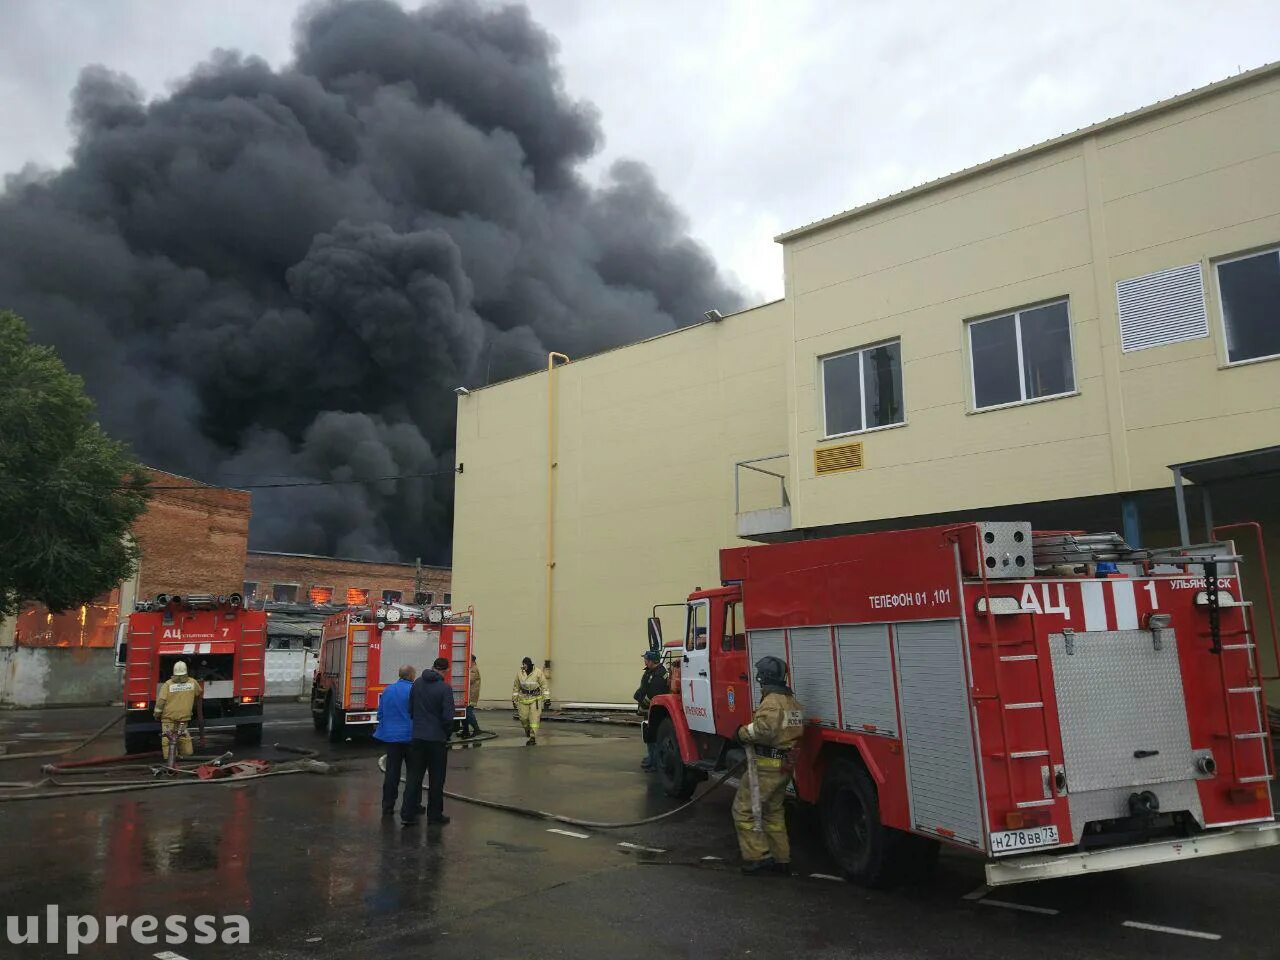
(1056, 702)
(362, 650)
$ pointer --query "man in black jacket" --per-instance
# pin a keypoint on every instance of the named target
(431, 709)
(652, 683)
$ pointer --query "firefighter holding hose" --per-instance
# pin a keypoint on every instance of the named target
(178, 698)
(758, 814)
(530, 694)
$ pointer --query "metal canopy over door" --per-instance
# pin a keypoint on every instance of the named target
(937, 732)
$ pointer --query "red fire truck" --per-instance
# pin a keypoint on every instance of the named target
(223, 645)
(362, 650)
(1056, 702)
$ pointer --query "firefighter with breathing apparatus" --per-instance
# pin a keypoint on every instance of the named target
(530, 695)
(758, 814)
(178, 698)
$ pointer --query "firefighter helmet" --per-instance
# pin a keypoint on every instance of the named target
(180, 668)
(771, 672)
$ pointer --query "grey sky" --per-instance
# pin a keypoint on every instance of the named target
(756, 116)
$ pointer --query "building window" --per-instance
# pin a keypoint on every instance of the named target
(448, 599)
(1250, 291)
(250, 590)
(320, 596)
(862, 389)
(284, 592)
(1020, 356)
(391, 596)
(356, 597)
(423, 599)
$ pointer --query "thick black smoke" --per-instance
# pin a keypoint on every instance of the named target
(285, 273)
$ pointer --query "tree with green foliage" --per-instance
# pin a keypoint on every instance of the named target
(68, 493)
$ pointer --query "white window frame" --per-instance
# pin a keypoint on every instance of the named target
(1222, 307)
(387, 590)
(862, 389)
(333, 591)
(1017, 313)
(297, 588)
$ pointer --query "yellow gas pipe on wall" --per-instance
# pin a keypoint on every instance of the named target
(551, 492)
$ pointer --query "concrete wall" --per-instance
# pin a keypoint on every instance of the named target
(647, 439)
(1191, 184)
(266, 569)
(57, 676)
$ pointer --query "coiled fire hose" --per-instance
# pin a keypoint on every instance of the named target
(574, 821)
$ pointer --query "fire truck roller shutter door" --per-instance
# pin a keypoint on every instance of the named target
(937, 736)
(813, 673)
(764, 643)
(416, 647)
(866, 678)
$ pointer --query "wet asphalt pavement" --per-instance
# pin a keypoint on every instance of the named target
(318, 873)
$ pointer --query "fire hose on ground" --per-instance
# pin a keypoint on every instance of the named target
(184, 776)
(572, 821)
(65, 750)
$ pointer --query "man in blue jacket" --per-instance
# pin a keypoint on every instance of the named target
(431, 707)
(395, 729)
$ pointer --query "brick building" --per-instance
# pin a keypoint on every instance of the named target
(194, 537)
(303, 578)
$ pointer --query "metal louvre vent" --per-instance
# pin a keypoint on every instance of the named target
(847, 456)
(1162, 308)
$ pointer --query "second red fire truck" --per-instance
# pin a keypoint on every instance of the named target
(1057, 703)
(362, 650)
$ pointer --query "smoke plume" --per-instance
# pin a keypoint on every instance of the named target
(285, 273)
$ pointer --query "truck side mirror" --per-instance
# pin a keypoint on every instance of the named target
(655, 634)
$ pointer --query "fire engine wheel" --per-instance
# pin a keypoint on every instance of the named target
(337, 722)
(678, 780)
(319, 716)
(868, 852)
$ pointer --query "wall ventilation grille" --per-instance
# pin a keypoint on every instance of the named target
(1162, 308)
(847, 456)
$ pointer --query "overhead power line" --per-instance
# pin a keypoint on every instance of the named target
(307, 483)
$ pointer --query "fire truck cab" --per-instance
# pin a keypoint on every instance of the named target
(1057, 703)
(223, 645)
(362, 650)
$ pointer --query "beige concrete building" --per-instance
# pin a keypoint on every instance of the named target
(1039, 337)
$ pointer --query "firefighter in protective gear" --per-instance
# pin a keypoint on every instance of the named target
(775, 727)
(530, 694)
(179, 697)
